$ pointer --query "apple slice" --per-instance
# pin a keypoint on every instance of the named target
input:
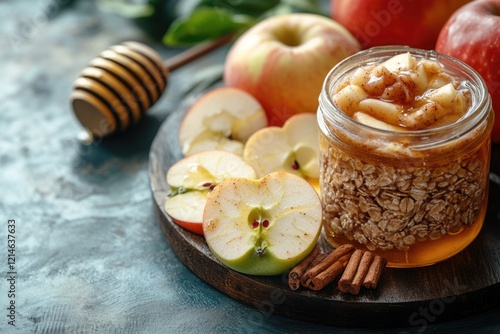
(192, 178)
(366, 119)
(265, 226)
(294, 148)
(223, 119)
(400, 63)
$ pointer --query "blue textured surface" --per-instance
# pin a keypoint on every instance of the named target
(90, 257)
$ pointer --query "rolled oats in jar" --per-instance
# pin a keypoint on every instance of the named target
(405, 152)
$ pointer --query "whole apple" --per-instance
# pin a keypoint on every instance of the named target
(394, 22)
(472, 34)
(283, 60)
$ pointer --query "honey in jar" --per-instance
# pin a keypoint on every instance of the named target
(405, 150)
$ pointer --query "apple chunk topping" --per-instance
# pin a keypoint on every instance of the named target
(265, 226)
(222, 119)
(294, 148)
(193, 177)
(402, 93)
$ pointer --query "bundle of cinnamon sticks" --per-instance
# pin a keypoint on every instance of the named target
(355, 268)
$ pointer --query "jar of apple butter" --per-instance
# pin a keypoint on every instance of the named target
(405, 152)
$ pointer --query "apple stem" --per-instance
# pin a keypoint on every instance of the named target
(173, 192)
(295, 165)
(260, 252)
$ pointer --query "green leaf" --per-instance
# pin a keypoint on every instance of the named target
(248, 7)
(305, 6)
(205, 23)
(211, 19)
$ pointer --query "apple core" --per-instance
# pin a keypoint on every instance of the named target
(264, 226)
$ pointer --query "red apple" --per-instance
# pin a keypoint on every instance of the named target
(394, 22)
(472, 34)
(283, 60)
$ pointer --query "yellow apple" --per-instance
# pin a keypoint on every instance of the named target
(283, 60)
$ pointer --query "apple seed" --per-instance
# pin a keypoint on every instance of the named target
(255, 224)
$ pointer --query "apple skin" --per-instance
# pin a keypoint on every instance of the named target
(191, 226)
(394, 22)
(283, 60)
(191, 173)
(472, 34)
(250, 263)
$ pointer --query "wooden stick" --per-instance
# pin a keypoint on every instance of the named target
(195, 52)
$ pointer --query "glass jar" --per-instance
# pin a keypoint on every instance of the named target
(419, 202)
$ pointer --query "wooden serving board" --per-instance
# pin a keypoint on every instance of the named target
(466, 284)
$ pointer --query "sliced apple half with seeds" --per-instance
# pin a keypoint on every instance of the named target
(222, 119)
(294, 148)
(192, 178)
(264, 226)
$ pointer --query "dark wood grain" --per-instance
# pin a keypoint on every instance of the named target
(468, 283)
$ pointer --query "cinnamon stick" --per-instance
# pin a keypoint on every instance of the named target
(372, 277)
(352, 283)
(350, 271)
(329, 260)
(318, 259)
(325, 277)
(296, 273)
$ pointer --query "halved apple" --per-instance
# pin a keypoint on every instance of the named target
(192, 178)
(294, 148)
(223, 119)
(265, 226)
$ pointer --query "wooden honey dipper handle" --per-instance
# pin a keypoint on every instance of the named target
(195, 52)
(117, 88)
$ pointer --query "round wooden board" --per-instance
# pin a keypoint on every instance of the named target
(466, 284)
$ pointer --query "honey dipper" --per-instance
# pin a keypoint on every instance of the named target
(117, 88)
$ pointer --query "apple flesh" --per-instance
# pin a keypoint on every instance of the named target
(294, 148)
(283, 60)
(222, 119)
(192, 178)
(265, 226)
(394, 22)
(472, 34)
